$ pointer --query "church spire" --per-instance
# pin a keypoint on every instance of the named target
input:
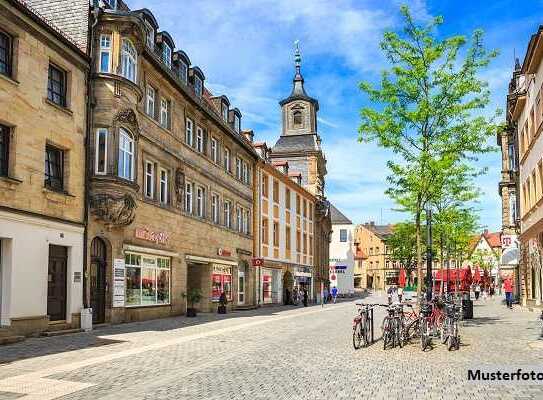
(298, 81)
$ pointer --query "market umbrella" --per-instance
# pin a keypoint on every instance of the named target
(466, 278)
(402, 278)
(477, 275)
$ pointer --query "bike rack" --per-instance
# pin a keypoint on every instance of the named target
(370, 316)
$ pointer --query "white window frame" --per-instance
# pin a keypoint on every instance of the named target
(164, 113)
(150, 37)
(97, 149)
(228, 214)
(513, 208)
(227, 159)
(214, 150)
(200, 201)
(105, 48)
(167, 54)
(245, 172)
(150, 101)
(129, 60)
(237, 123)
(183, 71)
(239, 162)
(199, 139)
(149, 176)
(198, 86)
(188, 197)
(246, 222)
(163, 177)
(215, 205)
(126, 154)
(189, 131)
(239, 216)
(225, 112)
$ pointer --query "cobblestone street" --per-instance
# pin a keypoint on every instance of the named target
(270, 353)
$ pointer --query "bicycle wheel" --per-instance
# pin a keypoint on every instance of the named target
(451, 342)
(364, 331)
(357, 336)
(399, 333)
(386, 332)
(424, 334)
(412, 330)
(444, 331)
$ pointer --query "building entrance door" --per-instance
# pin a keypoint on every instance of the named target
(241, 287)
(56, 283)
(97, 280)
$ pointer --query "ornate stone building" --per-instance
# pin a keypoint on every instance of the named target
(43, 95)
(525, 106)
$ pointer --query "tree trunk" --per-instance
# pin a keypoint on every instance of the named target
(419, 253)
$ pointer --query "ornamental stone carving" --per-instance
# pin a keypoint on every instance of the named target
(180, 186)
(127, 117)
(322, 208)
(112, 209)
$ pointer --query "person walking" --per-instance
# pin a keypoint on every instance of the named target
(400, 293)
(334, 294)
(492, 290)
(477, 291)
(390, 291)
(508, 289)
(325, 296)
(305, 297)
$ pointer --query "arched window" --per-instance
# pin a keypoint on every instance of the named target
(126, 155)
(129, 59)
(297, 117)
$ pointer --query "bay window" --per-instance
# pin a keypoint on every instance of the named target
(163, 186)
(149, 183)
(147, 280)
(126, 155)
(101, 152)
(105, 53)
(129, 58)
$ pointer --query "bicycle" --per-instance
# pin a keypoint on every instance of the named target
(392, 327)
(411, 323)
(541, 319)
(361, 326)
(449, 329)
(425, 325)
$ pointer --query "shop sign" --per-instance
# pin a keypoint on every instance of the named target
(391, 274)
(509, 241)
(118, 282)
(151, 236)
(258, 262)
(222, 269)
(305, 274)
(224, 252)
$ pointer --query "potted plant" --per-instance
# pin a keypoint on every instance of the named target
(222, 304)
(193, 296)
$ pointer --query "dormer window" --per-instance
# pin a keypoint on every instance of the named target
(225, 112)
(150, 35)
(167, 55)
(183, 71)
(112, 4)
(237, 123)
(198, 86)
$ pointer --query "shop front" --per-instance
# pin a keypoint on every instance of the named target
(303, 279)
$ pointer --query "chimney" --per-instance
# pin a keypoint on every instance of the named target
(249, 134)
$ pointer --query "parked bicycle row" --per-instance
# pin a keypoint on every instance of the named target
(404, 322)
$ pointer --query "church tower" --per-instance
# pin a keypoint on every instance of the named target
(299, 143)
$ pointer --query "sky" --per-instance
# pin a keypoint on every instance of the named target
(245, 49)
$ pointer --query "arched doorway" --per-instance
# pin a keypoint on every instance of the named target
(97, 280)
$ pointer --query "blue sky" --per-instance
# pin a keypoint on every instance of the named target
(245, 48)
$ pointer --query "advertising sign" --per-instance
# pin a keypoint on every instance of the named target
(118, 282)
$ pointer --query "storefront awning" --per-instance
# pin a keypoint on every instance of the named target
(206, 260)
(146, 250)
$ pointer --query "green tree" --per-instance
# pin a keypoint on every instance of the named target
(402, 245)
(427, 111)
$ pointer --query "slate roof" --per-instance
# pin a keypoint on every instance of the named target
(295, 143)
(383, 231)
(338, 218)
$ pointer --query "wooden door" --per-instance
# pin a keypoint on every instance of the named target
(97, 275)
(56, 283)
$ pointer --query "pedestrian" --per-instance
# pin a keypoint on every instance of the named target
(325, 296)
(477, 291)
(295, 296)
(508, 289)
(287, 297)
(305, 297)
(492, 291)
(400, 293)
(334, 294)
(390, 290)
(485, 293)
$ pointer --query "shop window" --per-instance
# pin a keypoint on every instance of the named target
(101, 151)
(105, 53)
(267, 287)
(56, 86)
(4, 150)
(54, 168)
(126, 155)
(221, 281)
(5, 54)
(129, 59)
(147, 280)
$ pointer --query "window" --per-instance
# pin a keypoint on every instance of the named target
(245, 173)
(4, 150)
(239, 215)
(298, 204)
(150, 103)
(310, 245)
(305, 243)
(215, 208)
(188, 132)
(276, 234)
(512, 157)
(311, 211)
(221, 282)
(225, 112)
(5, 54)
(227, 214)
(238, 168)
(167, 55)
(297, 118)
(149, 183)
(265, 231)
(214, 150)
(147, 279)
(150, 39)
(199, 139)
(343, 235)
(287, 238)
(237, 123)
(513, 208)
(200, 201)
(183, 71)
(126, 155)
(101, 152)
(129, 58)
(54, 168)
(298, 241)
(275, 191)
(105, 53)
(56, 87)
(163, 186)
(305, 208)
(265, 185)
(165, 113)
(246, 223)
(287, 199)
(227, 159)
(188, 198)
(112, 4)
(198, 86)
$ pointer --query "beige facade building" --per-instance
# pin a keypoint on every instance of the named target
(526, 108)
(43, 95)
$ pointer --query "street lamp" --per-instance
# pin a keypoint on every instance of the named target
(429, 256)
